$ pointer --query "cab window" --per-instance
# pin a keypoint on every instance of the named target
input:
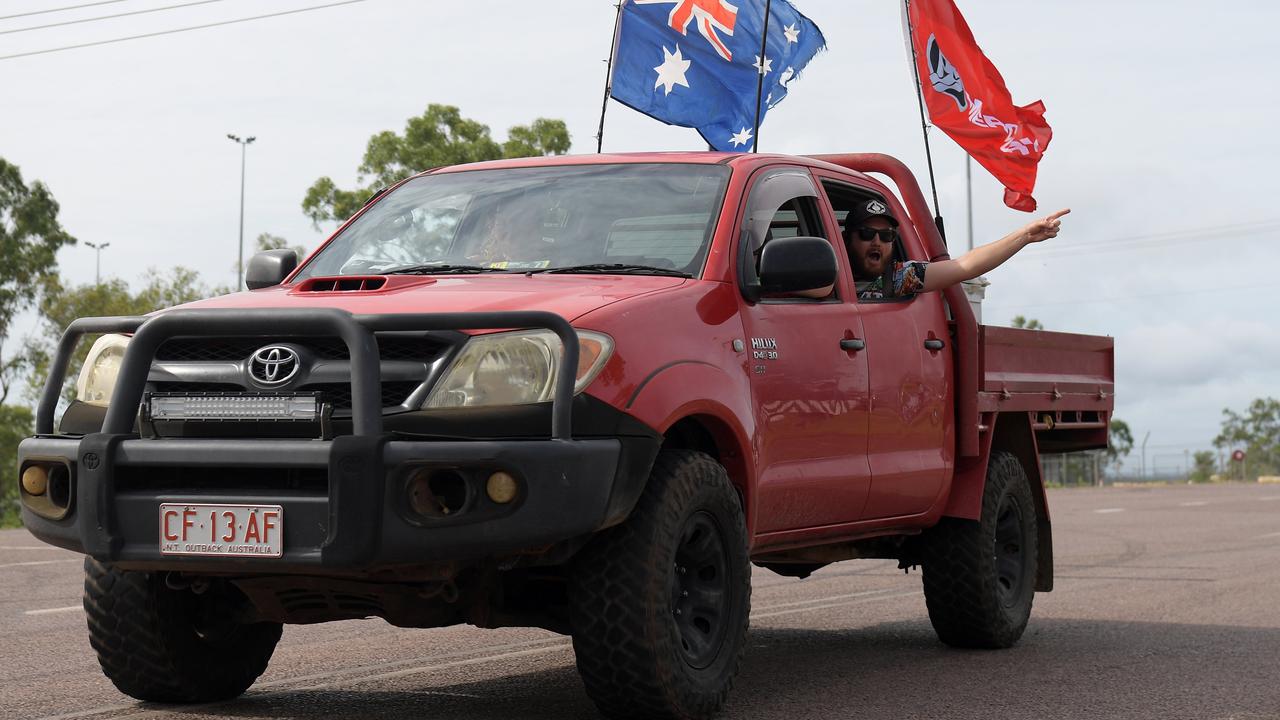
(844, 198)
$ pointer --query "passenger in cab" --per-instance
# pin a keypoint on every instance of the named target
(871, 236)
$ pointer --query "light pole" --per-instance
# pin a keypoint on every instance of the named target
(244, 144)
(97, 262)
(968, 193)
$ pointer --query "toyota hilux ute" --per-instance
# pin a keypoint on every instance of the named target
(577, 393)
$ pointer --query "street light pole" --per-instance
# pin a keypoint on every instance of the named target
(244, 144)
(968, 193)
(97, 263)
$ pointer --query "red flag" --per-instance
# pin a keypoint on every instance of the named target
(968, 99)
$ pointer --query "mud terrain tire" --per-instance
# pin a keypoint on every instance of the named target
(660, 603)
(158, 644)
(980, 576)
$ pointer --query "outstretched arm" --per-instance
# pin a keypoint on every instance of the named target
(945, 273)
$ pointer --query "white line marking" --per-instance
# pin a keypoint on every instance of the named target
(1104, 511)
(864, 593)
(39, 562)
(1194, 503)
(50, 611)
(29, 547)
(760, 616)
(1268, 535)
(398, 663)
(1270, 497)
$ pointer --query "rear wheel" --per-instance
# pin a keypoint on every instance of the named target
(660, 603)
(160, 644)
(979, 577)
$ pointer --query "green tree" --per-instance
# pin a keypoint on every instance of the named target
(1025, 324)
(1257, 432)
(438, 137)
(15, 424)
(1119, 442)
(60, 304)
(267, 241)
(1205, 466)
(30, 237)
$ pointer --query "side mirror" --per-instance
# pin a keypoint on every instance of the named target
(794, 264)
(270, 268)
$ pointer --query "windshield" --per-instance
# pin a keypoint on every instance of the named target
(597, 218)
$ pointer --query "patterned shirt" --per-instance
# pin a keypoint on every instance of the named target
(908, 279)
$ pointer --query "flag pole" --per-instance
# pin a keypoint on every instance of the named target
(924, 122)
(764, 48)
(608, 75)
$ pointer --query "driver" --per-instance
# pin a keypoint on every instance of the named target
(871, 235)
(507, 241)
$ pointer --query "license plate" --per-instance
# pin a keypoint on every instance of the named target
(225, 530)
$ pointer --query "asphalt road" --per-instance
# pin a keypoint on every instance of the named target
(1167, 606)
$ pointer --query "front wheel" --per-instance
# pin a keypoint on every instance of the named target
(660, 604)
(980, 577)
(161, 644)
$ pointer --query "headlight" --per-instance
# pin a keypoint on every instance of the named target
(515, 368)
(101, 366)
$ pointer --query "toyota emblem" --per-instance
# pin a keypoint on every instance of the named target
(274, 365)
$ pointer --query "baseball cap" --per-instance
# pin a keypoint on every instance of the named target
(866, 209)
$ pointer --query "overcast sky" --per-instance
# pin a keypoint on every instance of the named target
(1163, 114)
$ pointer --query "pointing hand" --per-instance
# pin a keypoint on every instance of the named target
(1044, 228)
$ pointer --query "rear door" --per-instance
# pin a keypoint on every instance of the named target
(810, 393)
(910, 439)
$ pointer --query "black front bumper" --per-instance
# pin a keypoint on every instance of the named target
(358, 521)
(345, 500)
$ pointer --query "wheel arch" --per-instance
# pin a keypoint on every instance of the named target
(1010, 432)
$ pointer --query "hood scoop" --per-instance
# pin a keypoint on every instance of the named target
(358, 284)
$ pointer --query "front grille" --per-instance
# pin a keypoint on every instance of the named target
(234, 349)
(393, 393)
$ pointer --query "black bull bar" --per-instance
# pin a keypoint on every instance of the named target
(356, 331)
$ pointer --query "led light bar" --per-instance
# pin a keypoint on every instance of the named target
(233, 406)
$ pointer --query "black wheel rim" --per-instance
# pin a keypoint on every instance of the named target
(700, 590)
(1010, 549)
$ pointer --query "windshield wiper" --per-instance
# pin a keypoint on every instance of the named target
(618, 269)
(437, 269)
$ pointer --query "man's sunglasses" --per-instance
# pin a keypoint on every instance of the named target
(887, 235)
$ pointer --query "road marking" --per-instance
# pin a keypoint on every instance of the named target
(792, 611)
(29, 547)
(1194, 503)
(1104, 511)
(797, 603)
(1270, 497)
(39, 562)
(50, 611)
(1268, 535)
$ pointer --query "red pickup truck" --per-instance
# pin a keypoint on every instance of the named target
(577, 393)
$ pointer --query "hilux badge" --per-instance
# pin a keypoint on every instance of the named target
(274, 365)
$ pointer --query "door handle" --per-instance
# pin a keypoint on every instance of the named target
(934, 345)
(853, 344)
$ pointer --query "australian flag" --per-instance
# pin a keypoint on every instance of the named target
(696, 63)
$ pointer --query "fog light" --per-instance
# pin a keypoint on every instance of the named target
(501, 487)
(35, 480)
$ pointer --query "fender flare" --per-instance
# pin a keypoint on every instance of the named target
(722, 404)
